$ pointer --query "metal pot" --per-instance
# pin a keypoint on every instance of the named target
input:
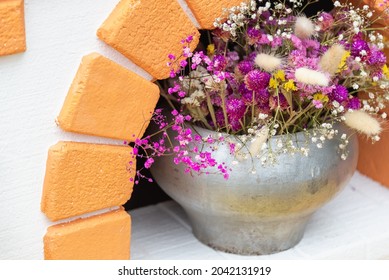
(262, 213)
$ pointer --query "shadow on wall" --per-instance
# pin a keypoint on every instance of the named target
(147, 193)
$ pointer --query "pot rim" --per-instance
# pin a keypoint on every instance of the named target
(301, 135)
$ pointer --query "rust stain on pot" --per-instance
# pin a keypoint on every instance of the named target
(267, 206)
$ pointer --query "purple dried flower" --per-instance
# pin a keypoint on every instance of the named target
(359, 45)
(219, 62)
(236, 109)
(257, 80)
(220, 118)
(235, 124)
(245, 67)
(339, 94)
(327, 21)
(263, 96)
(247, 95)
(253, 35)
(354, 104)
(377, 58)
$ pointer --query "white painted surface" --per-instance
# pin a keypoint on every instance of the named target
(33, 86)
(355, 225)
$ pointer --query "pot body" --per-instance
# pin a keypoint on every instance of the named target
(261, 213)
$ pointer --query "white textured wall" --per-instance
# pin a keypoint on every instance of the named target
(33, 86)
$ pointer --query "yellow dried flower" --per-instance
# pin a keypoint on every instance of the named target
(280, 75)
(273, 83)
(290, 85)
(321, 97)
(385, 70)
(211, 49)
(343, 65)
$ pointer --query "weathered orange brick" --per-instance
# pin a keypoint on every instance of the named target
(105, 99)
(147, 31)
(102, 237)
(206, 11)
(374, 158)
(82, 178)
(12, 32)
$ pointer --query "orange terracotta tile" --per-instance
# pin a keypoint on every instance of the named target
(147, 31)
(103, 237)
(12, 31)
(105, 99)
(82, 178)
(206, 11)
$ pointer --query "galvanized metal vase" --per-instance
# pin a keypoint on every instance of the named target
(262, 213)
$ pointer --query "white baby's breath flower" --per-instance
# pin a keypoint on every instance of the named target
(363, 122)
(304, 28)
(311, 77)
(258, 141)
(279, 6)
(268, 62)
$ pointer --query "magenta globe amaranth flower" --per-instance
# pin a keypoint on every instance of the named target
(236, 109)
(354, 104)
(253, 35)
(245, 67)
(219, 62)
(377, 58)
(358, 46)
(339, 94)
(260, 97)
(257, 80)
